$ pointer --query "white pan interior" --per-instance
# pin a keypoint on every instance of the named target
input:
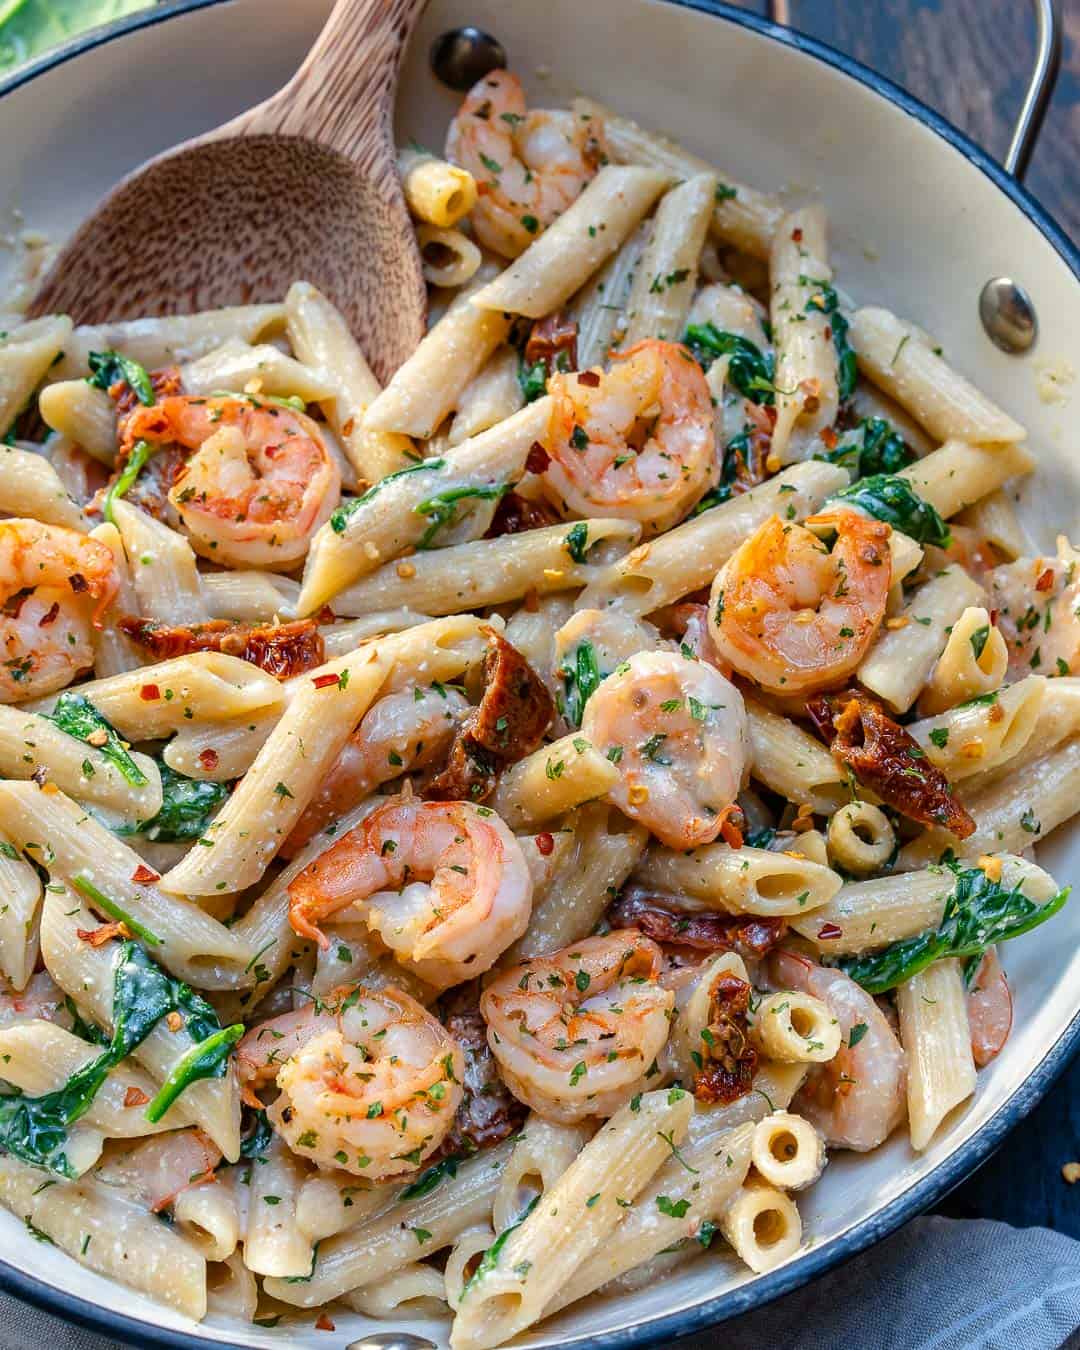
(915, 226)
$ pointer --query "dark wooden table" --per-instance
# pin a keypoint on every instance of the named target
(970, 59)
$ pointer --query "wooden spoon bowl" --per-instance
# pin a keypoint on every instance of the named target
(305, 185)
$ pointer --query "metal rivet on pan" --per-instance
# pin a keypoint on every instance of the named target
(392, 1340)
(1008, 315)
(462, 56)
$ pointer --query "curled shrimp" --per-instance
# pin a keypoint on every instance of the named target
(400, 732)
(369, 1079)
(859, 1097)
(529, 166)
(260, 483)
(636, 441)
(677, 730)
(575, 1033)
(444, 884)
(794, 617)
(54, 584)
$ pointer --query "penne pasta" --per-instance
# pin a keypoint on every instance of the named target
(937, 1039)
(666, 277)
(903, 363)
(408, 510)
(740, 881)
(664, 569)
(742, 216)
(566, 255)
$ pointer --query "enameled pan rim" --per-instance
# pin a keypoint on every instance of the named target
(942, 1179)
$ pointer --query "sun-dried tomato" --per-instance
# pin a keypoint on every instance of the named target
(281, 650)
(887, 759)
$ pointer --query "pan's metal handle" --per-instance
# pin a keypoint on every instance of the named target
(1040, 86)
(1005, 307)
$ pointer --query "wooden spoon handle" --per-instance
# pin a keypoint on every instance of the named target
(343, 94)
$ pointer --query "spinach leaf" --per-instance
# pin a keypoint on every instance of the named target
(750, 369)
(977, 914)
(125, 481)
(77, 716)
(892, 499)
(430, 1179)
(442, 508)
(187, 805)
(873, 447)
(738, 448)
(760, 838)
(255, 1144)
(28, 28)
(89, 891)
(109, 368)
(341, 516)
(826, 302)
(532, 379)
(207, 1059)
(35, 1129)
(581, 680)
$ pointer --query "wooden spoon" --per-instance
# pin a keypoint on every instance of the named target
(304, 185)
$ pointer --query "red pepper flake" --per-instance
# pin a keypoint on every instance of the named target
(545, 843)
(97, 937)
(797, 236)
(135, 1097)
(324, 1323)
(40, 775)
(993, 618)
(349, 427)
(143, 875)
(1046, 581)
(149, 692)
(589, 378)
(829, 438)
(50, 617)
(731, 822)
(78, 583)
(829, 932)
(208, 759)
(324, 681)
(537, 460)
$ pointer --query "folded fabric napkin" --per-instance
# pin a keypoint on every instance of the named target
(938, 1284)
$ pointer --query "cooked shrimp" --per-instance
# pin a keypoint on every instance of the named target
(635, 441)
(575, 1033)
(369, 1079)
(859, 1097)
(1038, 612)
(793, 616)
(401, 732)
(678, 732)
(158, 1169)
(260, 483)
(444, 884)
(989, 1009)
(54, 584)
(588, 647)
(529, 166)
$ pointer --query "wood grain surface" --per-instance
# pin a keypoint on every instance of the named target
(970, 60)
